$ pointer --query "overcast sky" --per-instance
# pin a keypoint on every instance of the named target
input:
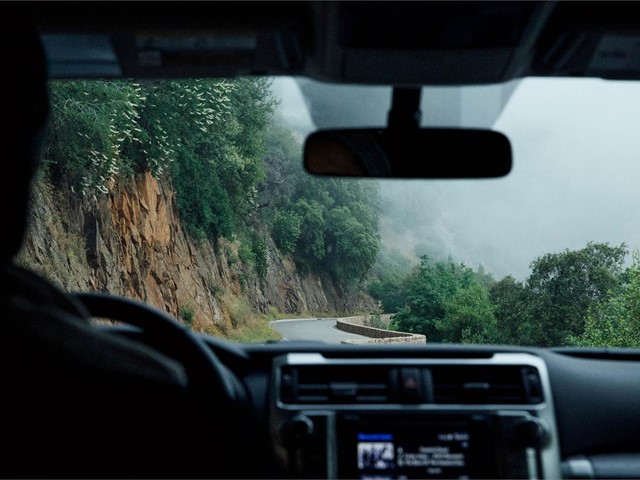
(575, 179)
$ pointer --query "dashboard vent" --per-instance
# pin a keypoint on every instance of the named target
(426, 384)
(322, 384)
(486, 384)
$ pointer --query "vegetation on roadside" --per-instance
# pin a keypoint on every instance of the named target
(236, 174)
(233, 167)
(187, 313)
(246, 325)
(583, 297)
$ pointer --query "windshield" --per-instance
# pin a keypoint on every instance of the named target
(191, 196)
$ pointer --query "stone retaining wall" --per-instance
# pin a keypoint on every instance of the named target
(377, 335)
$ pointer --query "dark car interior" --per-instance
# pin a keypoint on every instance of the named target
(149, 398)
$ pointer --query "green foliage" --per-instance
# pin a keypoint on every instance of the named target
(245, 253)
(615, 322)
(261, 256)
(247, 326)
(207, 135)
(220, 126)
(339, 227)
(283, 166)
(387, 284)
(564, 287)
(375, 320)
(217, 143)
(310, 248)
(511, 311)
(389, 292)
(93, 125)
(572, 297)
(202, 216)
(216, 290)
(351, 246)
(330, 225)
(469, 314)
(446, 302)
(253, 252)
(285, 229)
(485, 278)
(187, 314)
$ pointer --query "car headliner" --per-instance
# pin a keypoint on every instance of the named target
(427, 43)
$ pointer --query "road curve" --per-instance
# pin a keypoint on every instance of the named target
(322, 329)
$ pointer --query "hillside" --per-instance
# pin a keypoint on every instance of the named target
(132, 242)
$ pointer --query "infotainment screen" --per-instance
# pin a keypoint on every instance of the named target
(374, 447)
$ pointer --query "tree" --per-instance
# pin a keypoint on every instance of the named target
(211, 139)
(311, 245)
(469, 314)
(387, 286)
(615, 322)
(511, 311)
(92, 128)
(205, 136)
(286, 229)
(446, 302)
(282, 165)
(333, 223)
(351, 246)
(563, 287)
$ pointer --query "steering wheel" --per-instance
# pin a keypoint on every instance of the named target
(205, 373)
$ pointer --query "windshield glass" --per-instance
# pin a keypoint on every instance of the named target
(191, 196)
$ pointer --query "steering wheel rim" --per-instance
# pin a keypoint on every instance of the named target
(205, 373)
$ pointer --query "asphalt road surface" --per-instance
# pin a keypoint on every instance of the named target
(322, 329)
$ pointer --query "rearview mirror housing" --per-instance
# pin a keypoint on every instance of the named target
(413, 153)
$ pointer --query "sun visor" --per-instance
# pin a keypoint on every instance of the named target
(68, 54)
(171, 40)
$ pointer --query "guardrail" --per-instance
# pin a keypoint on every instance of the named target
(377, 335)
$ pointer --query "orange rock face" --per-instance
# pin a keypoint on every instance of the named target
(131, 242)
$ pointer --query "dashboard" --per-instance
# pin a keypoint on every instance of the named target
(414, 418)
(442, 411)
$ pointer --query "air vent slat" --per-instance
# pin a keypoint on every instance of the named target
(313, 398)
(371, 386)
(335, 385)
(485, 384)
(372, 399)
(313, 386)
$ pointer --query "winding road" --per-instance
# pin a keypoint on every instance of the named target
(322, 329)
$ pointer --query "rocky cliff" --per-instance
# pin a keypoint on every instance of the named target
(131, 242)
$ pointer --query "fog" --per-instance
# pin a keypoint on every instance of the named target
(575, 178)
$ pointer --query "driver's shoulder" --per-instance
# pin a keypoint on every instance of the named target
(89, 402)
(45, 329)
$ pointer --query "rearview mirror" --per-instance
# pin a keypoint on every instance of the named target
(419, 153)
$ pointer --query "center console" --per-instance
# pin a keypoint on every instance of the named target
(414, 418)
